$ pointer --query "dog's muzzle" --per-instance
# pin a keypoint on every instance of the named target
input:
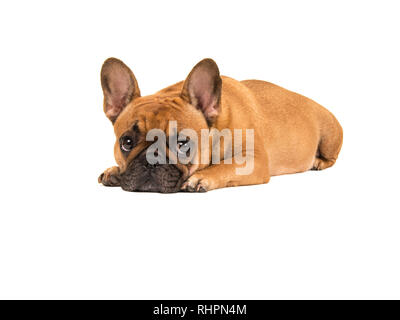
(145, 177)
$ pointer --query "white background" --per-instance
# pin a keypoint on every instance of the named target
(330, 234)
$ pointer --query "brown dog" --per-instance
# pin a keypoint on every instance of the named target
(291, 133)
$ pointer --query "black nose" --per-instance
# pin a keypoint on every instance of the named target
(145, 177)
(151, 166)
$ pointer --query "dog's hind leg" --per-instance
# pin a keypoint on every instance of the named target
(331, 139)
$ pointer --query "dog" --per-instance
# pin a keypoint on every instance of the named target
(289, 132)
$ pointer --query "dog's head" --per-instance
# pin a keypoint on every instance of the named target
(192, 104)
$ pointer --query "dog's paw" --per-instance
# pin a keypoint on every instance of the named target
(321, 164)
(110, 177)
(196, 183)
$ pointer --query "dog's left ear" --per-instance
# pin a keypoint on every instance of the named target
(202, 89)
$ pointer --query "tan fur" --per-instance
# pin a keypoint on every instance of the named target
(292, 133)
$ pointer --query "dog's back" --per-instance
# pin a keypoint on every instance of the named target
(298, 133)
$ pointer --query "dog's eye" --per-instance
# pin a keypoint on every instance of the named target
(126, 143)
(183, 146)
(182, 143)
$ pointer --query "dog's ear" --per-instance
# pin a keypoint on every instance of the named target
(119, 87)
(202, 89)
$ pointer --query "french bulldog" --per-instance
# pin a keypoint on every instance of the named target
(288, 133)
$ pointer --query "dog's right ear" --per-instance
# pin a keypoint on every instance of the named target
(119, 87)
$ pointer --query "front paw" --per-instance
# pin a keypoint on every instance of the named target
(111, 177)
(196, 183)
